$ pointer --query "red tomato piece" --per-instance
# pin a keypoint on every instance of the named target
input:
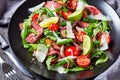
(83, 61)
(72, 51)
(80, 35)
(35, 17)
(66, 14)
(72, 3)
(84, 15)
(53, 27)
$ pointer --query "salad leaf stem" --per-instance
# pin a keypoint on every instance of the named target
(49, 12)
(62, 41)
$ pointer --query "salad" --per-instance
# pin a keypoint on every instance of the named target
(66, 35)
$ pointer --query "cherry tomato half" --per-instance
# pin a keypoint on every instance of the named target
(35, 17)
(72, 3)
(53, 27)
(66, 14)
(83, 60)
(84, 15)
(80, 35)
(72, 51)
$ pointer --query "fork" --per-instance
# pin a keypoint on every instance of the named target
(8, 70)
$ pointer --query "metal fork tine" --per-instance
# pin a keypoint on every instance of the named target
(13, 72)
(9, 71)
(9, 76)
(12, 75)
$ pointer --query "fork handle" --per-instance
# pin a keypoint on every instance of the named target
(1, 60)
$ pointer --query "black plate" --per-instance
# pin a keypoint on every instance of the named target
(17, 47)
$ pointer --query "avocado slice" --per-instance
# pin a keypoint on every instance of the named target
(76, 15)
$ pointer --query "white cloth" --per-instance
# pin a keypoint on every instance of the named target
(11, 6)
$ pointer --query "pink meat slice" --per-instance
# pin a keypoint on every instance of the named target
(55, 46)
(32, 38)
(93, 10)
(37, 28)
(50, 3)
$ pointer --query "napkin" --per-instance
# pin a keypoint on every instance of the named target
(7, 9)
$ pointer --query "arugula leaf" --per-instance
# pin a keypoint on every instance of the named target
(25, 31)
(32, 31)
(84, 1)
(49, 34)
(62, 41)
(96, 44)
(25, 44)
(26, 27)
(78, 68)
(89, 29)
(48, 62)
(60, 63)
(33, 47)
(97, 54)
(105, 26)
(75, 69)
(95, 31)
(27, 23)
(42, 41)
(87, 19)
(102, 59)
(49, 13)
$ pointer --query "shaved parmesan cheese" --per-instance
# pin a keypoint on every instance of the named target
(41, 52)
(52, 9)
(104, 43)
(100, 17)
(70, 33)
(79, 29)
(36, 7)
(80, 5)
(60, 70)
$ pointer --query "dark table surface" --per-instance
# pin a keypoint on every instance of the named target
(3, 32)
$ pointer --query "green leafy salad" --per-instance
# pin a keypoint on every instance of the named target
(66, 35)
